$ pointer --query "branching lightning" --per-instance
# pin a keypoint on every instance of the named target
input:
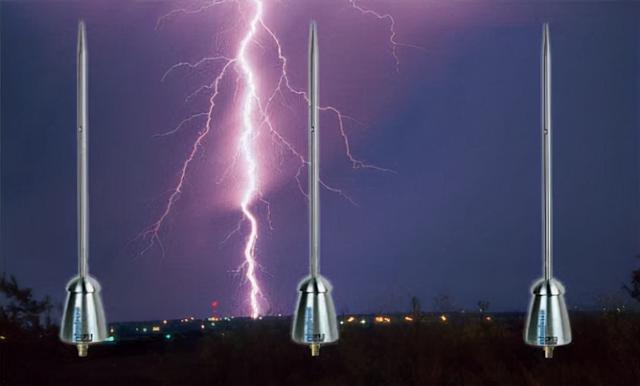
(392, 30)
(253, 117)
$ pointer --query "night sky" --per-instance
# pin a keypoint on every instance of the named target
(459, 123)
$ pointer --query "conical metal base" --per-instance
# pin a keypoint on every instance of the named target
(314, 322)
(83, 320)
(548, 324)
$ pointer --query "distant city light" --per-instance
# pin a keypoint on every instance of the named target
(163, 328)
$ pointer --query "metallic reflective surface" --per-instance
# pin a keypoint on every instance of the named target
(314, 321)
(547, 324)
(547, 186)
(83, 320)
(314, 155)
(82, 151)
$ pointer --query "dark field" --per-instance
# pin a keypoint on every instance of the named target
(463, 351)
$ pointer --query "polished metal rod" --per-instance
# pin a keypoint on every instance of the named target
(548, 324)
(82, 162)
(314, 156)
(547, 210)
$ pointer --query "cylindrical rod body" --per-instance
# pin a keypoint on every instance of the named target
(314, 156)
(82, 154)
(83, 321)
(314, 320)
(547, 324)
(547, 187)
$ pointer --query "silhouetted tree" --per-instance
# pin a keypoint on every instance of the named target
(634, 289)
(442, 303)
(21, 310)
(416, 311)
(483, 306)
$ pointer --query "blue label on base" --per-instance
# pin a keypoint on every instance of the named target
(309, 335)
(78, 331)
(542, 324)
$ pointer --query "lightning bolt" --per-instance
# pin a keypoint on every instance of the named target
(254, 116)
(246, 145)
(392, 30)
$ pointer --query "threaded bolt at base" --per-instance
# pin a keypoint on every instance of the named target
(83, 349)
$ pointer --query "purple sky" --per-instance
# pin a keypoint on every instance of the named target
(459, 123)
